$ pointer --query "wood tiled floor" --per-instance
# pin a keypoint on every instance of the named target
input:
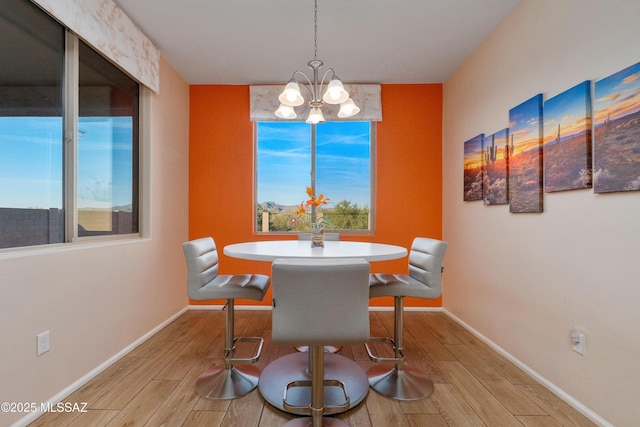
(154, 384)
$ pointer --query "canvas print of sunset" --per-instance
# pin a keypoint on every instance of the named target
(473, 169)
(616, 149)
(525, 156)
(495, 188)
(567, 139)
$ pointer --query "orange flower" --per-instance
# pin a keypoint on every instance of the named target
(315, 200)
(320, 200)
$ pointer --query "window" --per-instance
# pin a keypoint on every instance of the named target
(335, 158)
(68, 159)
(107, 171)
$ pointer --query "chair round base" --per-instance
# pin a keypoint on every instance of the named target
(222, 383)
(405, 384)
(308, 422)
(295, 367)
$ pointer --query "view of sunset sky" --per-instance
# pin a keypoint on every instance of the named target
(524, 124)
(571, 110)
(617, 95)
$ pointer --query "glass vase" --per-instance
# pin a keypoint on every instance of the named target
(317, 235)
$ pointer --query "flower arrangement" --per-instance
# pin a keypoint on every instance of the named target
(314, 202)
(317, 224)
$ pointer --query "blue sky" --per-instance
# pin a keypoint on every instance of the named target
(571, 110)
(31, 162)
(31, 159)
(284, 161)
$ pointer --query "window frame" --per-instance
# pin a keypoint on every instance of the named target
(70, 117)
(313, 153)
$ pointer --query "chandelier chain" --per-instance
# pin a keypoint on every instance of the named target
(315, 29)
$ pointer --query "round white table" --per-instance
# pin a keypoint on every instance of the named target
(295, 367)
(274, 249)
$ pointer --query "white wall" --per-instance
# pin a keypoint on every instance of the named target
(522, 280)
(97, 299)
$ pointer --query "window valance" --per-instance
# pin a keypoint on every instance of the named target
(264, 102)
(104, 26)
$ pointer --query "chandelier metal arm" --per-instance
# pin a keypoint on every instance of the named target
(313, 87)
(310, 84)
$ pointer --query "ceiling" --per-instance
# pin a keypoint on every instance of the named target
(365, 41)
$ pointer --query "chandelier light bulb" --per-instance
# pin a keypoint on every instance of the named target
(348, 109)
(291, 95)
(286, 112)
(335, 94)
(315, 116)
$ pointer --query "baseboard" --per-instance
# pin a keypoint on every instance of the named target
(24, 421)
(542, 380)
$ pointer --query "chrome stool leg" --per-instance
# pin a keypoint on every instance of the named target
(232, 380)
(397, 381)
(317, 384)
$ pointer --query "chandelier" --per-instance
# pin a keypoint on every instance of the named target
(333, 93)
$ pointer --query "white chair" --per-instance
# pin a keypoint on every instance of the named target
(328, 237)
(317, 302)
(204, 283)
(424, 280)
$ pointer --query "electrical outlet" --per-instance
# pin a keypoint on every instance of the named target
(43, 343)
(578, 339)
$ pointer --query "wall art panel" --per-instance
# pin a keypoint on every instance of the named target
(495, 185)
(525, 156)
(567, 139)
(616, 146)
(473, 169)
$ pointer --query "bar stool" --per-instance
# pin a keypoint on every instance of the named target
(237, 377)
(316, 302)
(328, 237)
(423, 281)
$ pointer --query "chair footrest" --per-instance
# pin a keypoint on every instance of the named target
(309, 410)
(378, 359)
(254, 358)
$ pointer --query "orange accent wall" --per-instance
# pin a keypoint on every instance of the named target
(408, 174)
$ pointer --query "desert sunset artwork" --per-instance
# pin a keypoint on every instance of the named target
(616, 152)
(567, 139)
(495, 188)
(473, 169)
(525, 156)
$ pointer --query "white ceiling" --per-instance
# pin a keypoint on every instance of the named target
(365, 41)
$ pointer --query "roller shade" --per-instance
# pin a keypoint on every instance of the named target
(105, 27)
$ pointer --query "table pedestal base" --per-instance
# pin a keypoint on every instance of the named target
(307, 422)
(295, 367)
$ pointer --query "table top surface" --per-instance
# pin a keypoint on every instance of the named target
(270, 250)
